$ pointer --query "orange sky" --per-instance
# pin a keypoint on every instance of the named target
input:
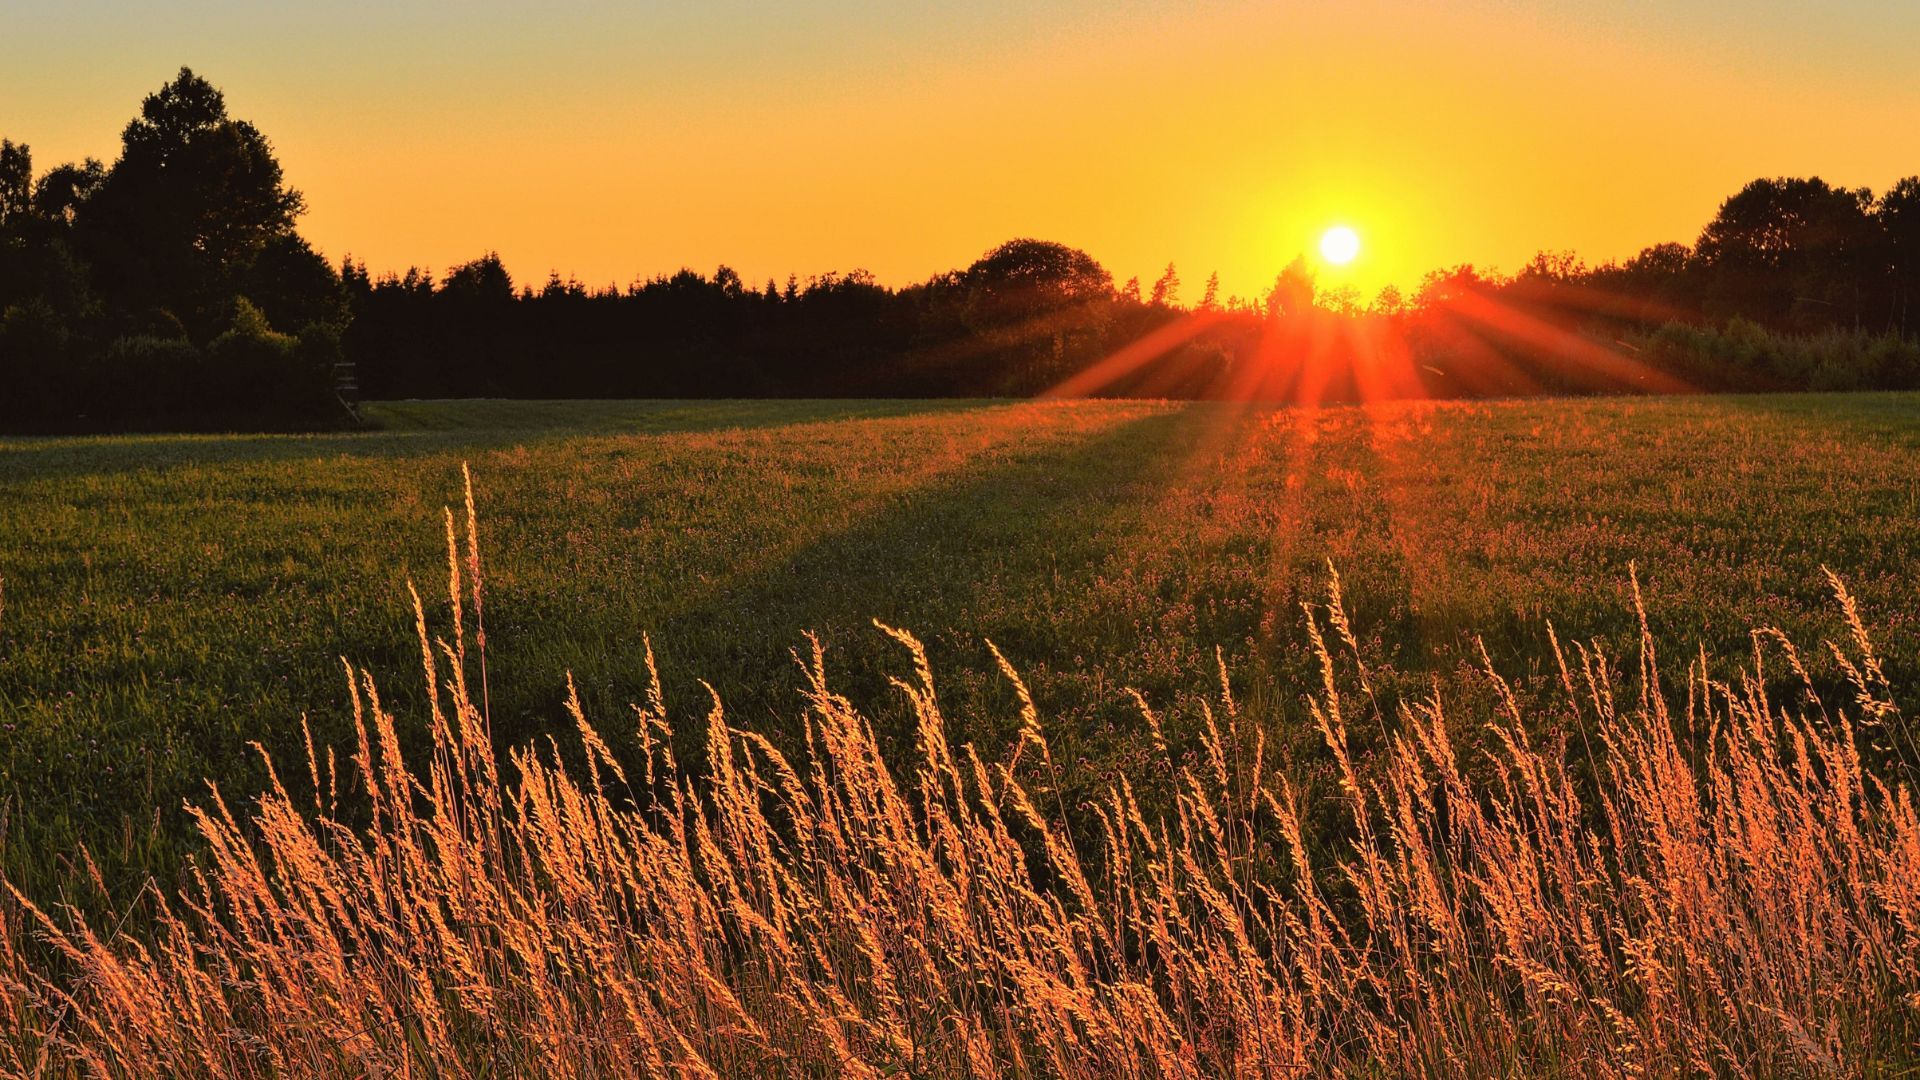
(619, 139)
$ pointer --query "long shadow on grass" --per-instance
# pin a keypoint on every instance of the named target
(157, 659)
(419, 429)
(981, 554)
(1889, 417)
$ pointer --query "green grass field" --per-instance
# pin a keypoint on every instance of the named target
(169, 599)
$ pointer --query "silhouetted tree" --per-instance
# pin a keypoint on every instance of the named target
(1038, 272)
(1292, 292)
(186, 211)
(174, 289)
(1041, 303)
(58, 196)
(1555, 267)
(1440, 288)
(1166, 290)
(293, 286)
(116, 284)
(1898, 214)
(485, 280)
(1794, 251)
(16, 183)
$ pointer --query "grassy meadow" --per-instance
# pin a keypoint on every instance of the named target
(168, 600)
(1329, 834)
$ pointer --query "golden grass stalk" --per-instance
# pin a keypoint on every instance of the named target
(1710, 883)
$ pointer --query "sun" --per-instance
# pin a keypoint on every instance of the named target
(1339, 245)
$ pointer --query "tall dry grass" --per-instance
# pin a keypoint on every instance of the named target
(1707, 881)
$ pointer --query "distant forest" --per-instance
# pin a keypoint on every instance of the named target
(173, 290)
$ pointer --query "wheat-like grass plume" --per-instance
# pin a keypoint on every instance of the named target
(1701, 881)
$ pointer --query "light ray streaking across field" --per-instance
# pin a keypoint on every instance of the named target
(1134, 536)
(1492, 345)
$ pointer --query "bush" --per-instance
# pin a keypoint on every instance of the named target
(154, 377)
(35, 350)
(1856, 360)
(258, 373)
(142, 380)
(1745, 355)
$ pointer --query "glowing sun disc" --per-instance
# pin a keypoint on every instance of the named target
(1339, 245)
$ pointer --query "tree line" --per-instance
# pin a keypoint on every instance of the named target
(172, 289)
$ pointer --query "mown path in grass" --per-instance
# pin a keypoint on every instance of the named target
(169, 599)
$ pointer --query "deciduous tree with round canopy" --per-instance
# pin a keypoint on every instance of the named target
(184, 214)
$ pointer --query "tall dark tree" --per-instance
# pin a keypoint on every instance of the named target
(187, 210)
(60, 194)
(1293, 289)
(1042, 304)
(1797, 249)
(1038, 271)
(16, 182)
(45, 300)
(169, 290)
(1166, 290)
(293, 286)
(1898, 214)
(485, 280)
(1210, 296)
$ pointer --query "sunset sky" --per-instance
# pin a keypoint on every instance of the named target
(617, 140)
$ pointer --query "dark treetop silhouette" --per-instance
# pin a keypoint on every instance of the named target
(172, 289)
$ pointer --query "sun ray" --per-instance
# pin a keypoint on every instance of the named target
(1156, 344)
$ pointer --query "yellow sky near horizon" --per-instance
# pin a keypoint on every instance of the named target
(615, 141)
